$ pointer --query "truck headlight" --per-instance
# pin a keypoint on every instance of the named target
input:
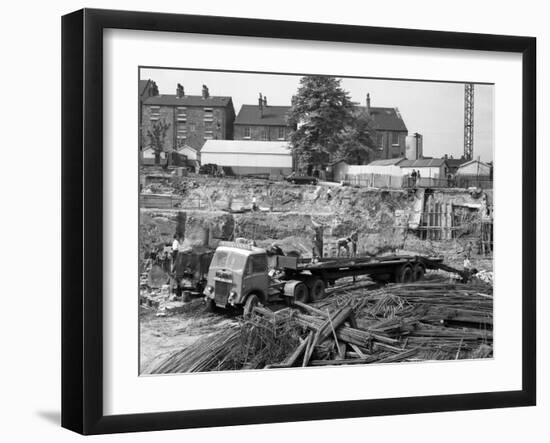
(208, 290)
(232, 297)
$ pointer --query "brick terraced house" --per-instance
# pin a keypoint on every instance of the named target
(193, 119)
(390, 128)
(262, 122)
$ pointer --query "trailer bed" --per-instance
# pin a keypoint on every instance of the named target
(331, 269)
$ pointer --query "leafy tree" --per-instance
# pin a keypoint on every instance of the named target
(320, 112)
(357, 141)
(157, 135)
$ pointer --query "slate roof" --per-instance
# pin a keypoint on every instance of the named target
(386, 119)
(387, 161)
(455, 162)
(272, 115)
(423, 163)
(142, 86)
(246, 147)
(188, 100)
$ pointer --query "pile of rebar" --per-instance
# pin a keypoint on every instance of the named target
(399, 322)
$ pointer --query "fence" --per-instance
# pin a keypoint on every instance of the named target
(375, 180)
(452, 182)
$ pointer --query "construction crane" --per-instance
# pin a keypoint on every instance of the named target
(468, 121)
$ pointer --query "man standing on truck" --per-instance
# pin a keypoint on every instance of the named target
(175, 249)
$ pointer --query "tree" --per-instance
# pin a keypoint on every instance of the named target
(357, 141)
(320, 112)
(156, 135)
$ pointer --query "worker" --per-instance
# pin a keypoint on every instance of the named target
(254, 204)
(329, 194)
(175, 249)
(343, 245)
(413, 178)
(354, 237)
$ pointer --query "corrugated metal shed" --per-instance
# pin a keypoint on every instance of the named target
(249, 156)
(252, 147)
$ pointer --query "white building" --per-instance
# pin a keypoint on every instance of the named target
(189, 152)
(474, 168)
(249, 156)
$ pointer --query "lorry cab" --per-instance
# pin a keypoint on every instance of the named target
(238, 272)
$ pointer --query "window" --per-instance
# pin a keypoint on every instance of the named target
(263, 134)
(181, 132)
(182, 114)
(394, 138)
(281, 133)
(154, 112)
(208, 115)
(208, 135)
(257, 264)
(246, 132)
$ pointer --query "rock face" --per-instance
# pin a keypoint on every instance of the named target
(293, 215)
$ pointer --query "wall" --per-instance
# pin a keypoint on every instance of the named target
(475, 168)
(30, 382)
(257, 131)
(387, 149)
(426, 172)
(257, 161)
(195, 125)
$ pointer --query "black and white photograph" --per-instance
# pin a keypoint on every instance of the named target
(291, 220)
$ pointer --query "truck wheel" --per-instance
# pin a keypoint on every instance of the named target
(301, 293)
(249, 305)
(418, 272)
(317, 289)
(404, 274)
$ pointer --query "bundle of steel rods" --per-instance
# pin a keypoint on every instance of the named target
(399, 322)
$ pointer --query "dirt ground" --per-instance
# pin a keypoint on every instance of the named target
(160, 335)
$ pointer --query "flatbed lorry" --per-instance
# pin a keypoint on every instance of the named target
(239, 275)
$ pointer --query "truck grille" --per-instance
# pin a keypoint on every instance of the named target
(221, 293)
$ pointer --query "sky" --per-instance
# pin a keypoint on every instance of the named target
(433, 109)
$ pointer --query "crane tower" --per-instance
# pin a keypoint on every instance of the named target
(468, 121)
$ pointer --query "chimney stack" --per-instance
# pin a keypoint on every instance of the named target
(179, 91)
(205, 92)
(261, 105)
(265, 101)
(368, 104)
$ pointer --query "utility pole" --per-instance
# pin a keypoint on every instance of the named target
(468, 121)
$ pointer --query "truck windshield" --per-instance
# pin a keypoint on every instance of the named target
(228, 260)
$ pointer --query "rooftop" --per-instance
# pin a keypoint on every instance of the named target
(386, 119)
(455, 162)
(188, 100)
(387, 162)
(423, 163)
(271, 115)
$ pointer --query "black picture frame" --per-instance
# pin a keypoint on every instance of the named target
(82, 219)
